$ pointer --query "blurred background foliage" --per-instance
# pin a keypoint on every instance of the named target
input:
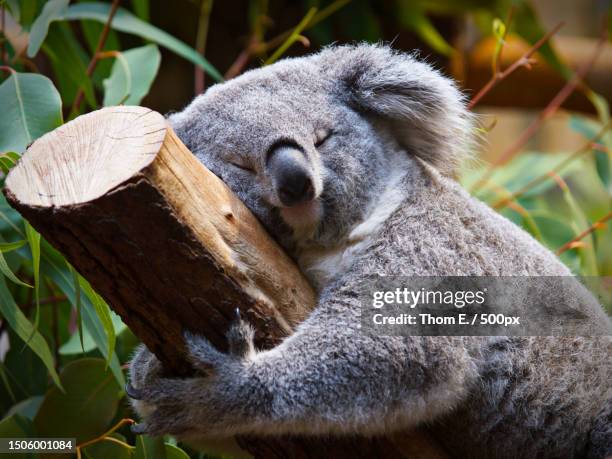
(544, 159)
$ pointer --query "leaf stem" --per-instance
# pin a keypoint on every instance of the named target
(106, 434)
(598, 224)
(94, 58)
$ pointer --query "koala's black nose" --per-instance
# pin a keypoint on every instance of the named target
(291, 175)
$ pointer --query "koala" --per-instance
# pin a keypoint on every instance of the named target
(347, 157)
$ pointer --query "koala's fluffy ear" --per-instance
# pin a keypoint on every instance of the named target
(425, 110)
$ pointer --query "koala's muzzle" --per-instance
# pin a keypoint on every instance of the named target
(291, 175)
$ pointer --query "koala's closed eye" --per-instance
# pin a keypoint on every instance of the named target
(321, 136)
(242, 167)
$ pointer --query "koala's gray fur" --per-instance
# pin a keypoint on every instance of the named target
(382, 134)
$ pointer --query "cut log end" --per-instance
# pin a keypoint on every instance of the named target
(87, 157)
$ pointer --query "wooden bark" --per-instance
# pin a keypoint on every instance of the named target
(168, 246)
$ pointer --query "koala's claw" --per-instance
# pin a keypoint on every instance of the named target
(240, 338)
(132, 392)
(139, 429)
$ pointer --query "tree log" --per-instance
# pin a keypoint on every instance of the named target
(169, 247)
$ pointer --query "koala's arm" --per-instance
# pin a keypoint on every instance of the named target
(328, 377)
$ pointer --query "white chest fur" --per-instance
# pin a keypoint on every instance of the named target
(323, 264)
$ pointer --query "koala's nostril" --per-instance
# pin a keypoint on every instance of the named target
(295, 188)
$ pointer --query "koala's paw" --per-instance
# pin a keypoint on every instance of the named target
(196, 406)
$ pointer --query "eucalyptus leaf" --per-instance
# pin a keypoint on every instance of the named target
(150, 448)
(53, 9)
(55, 267)
(33, 238)
(124, 21)
(69, 61)
(131, 76)
(26, 408)
(86, 408)
(31, 106)
(174, 452)
(25, 330)
(17, 426)
(412, 16)
(104, 315)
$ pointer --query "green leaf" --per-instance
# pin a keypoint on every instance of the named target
(9, 246)
(33, 238)
(555, 232)
(412, 16)
(8, 160)
(14, 9)
(589, 129)
(104, 315)
(69, 61)
(17, 426)
(141, 8)
(4, 267)
(25, 330)
(53, 9)
(78, 344)
(73, 345)
(77, 304)
(124, 21)
(602, 164)
(580, 223)
(6, 270)
(150, 448)
(31, 106)
(28, 9)
(86, 408)
(26, 408)
(174, 452)
(131, 76)
(54, 266)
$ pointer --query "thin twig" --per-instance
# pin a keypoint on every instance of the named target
(598, 224)
(590, 145)
(256, 47)
(94, 58)
(545, 114)
(523, 61)
(201, 38)
(320, 16)
(49, 300)
(293, 37)
(8, 69)
(120, 424)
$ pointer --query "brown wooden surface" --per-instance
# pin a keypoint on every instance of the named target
(169, 247)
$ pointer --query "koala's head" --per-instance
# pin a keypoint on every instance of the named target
(304, 142)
